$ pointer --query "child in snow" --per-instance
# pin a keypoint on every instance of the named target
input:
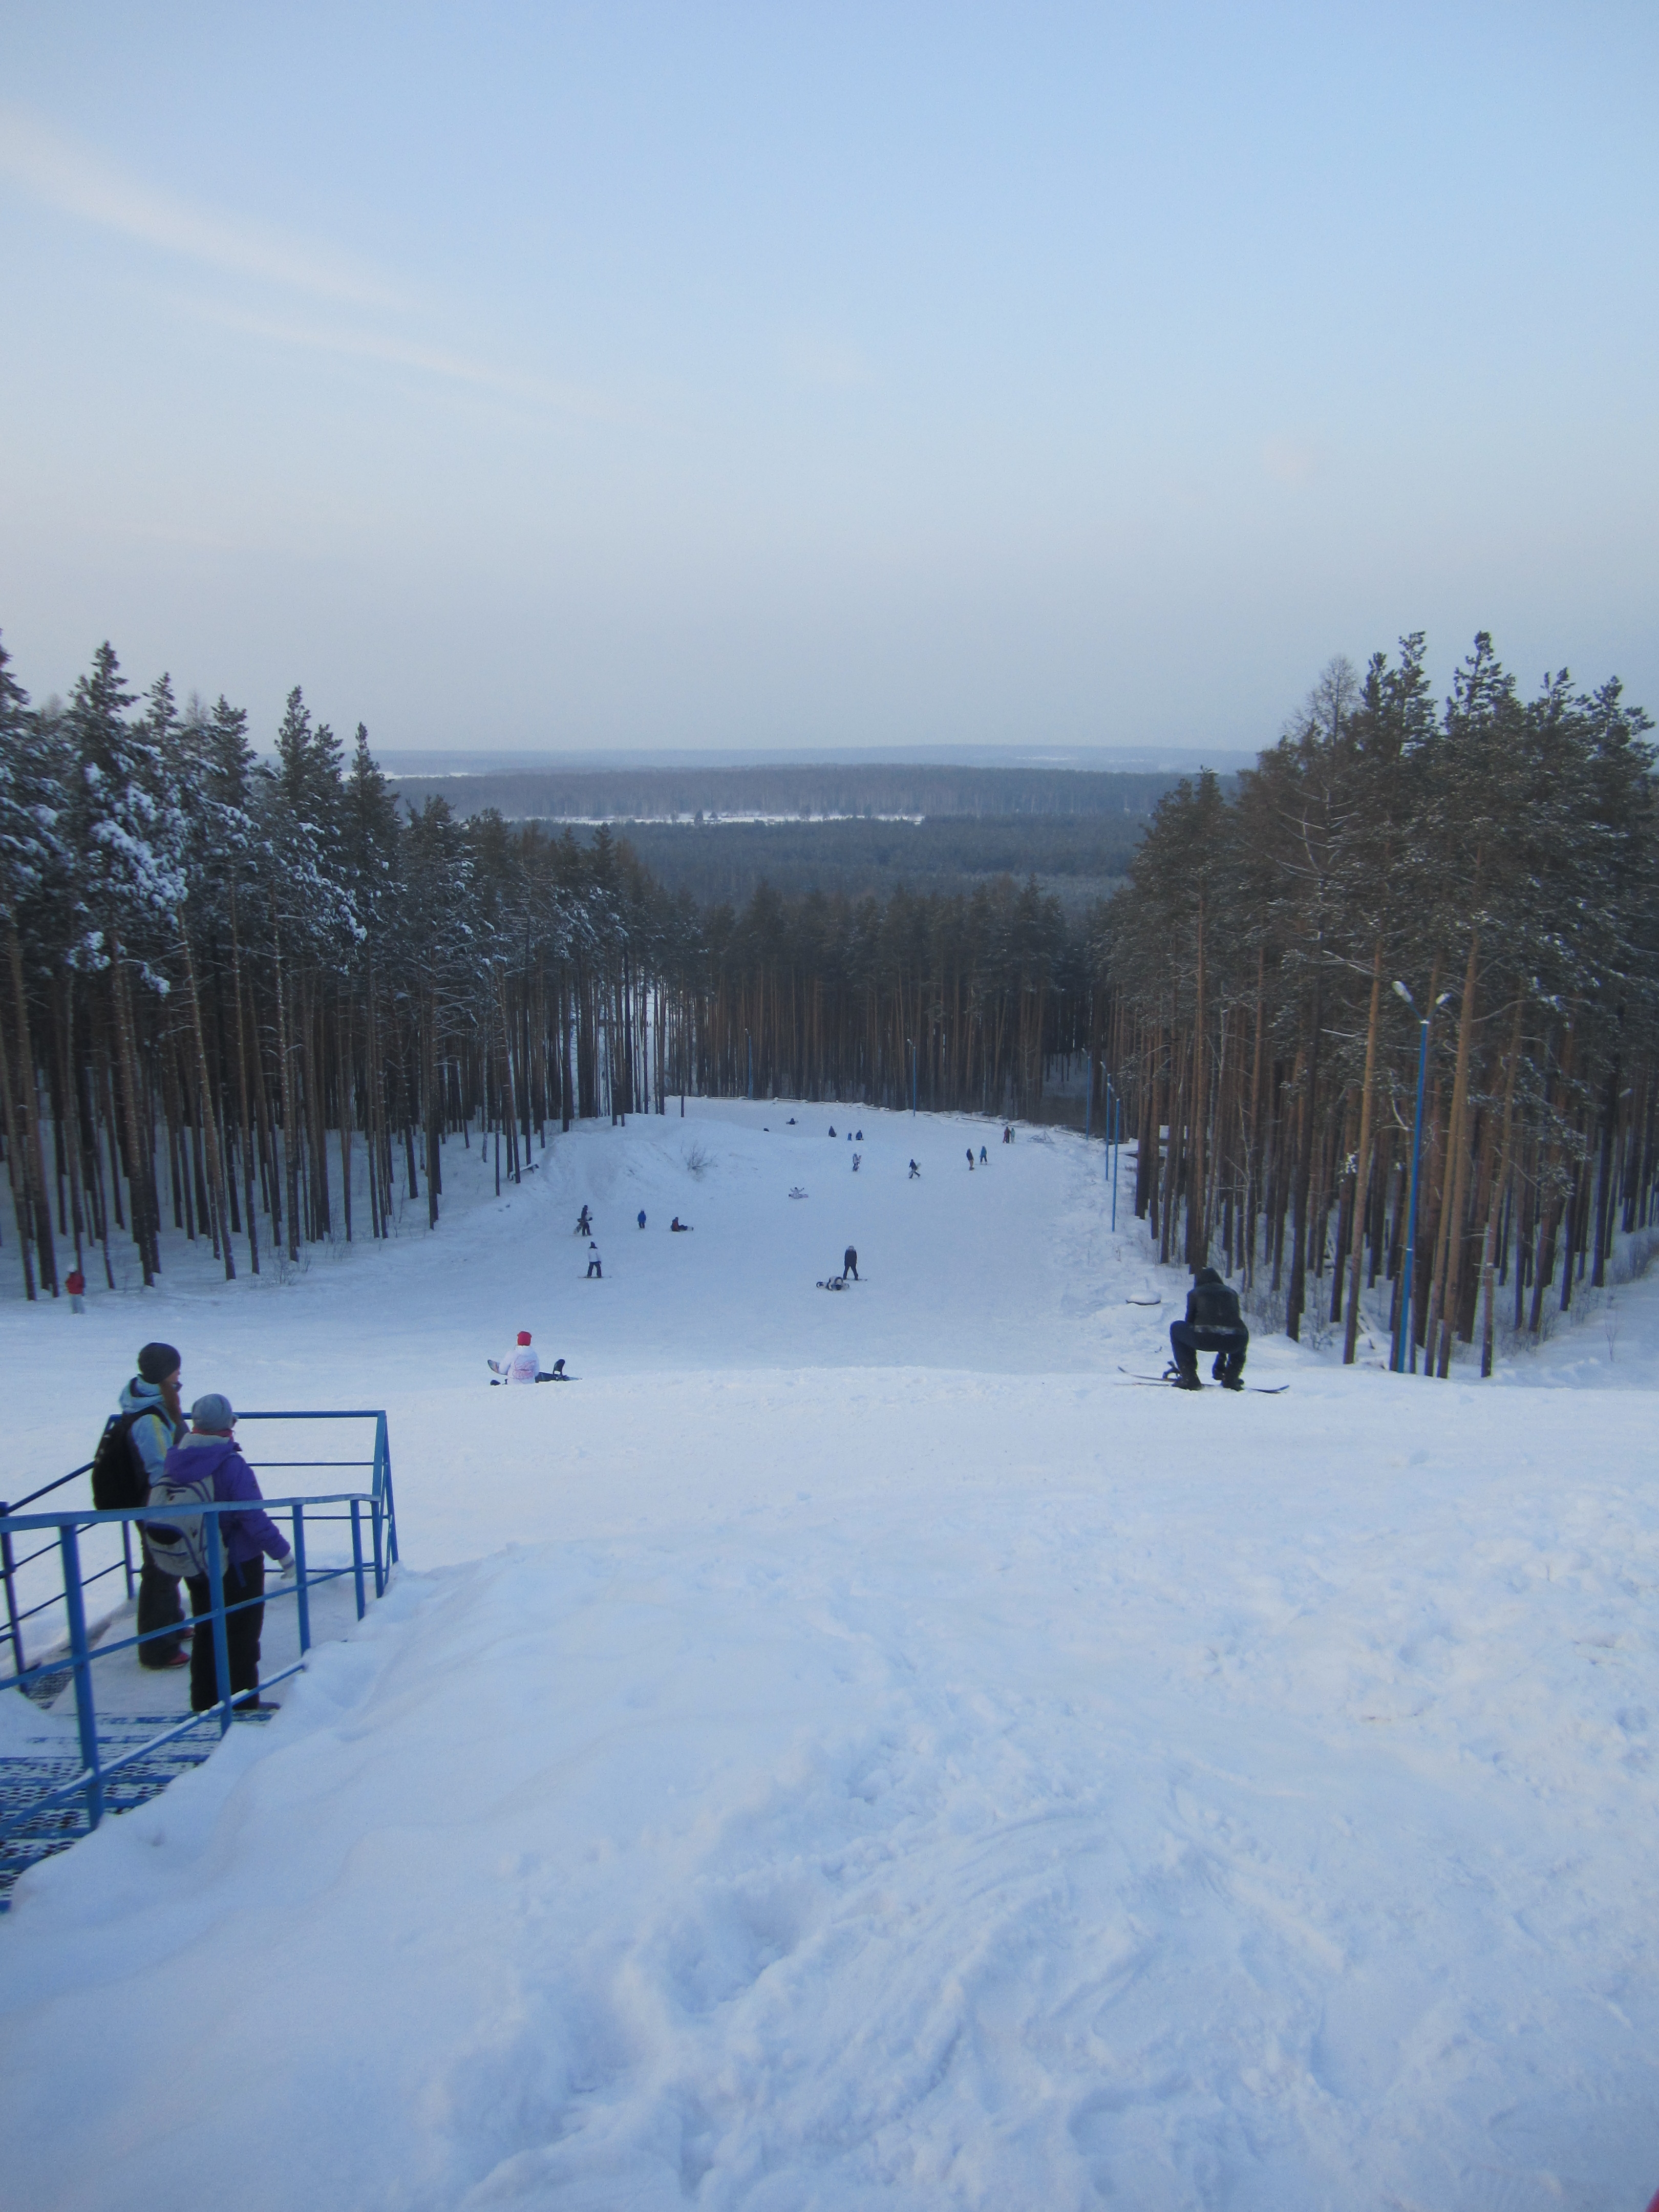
(678, 1228)
(641, 1217)
(832, 1128)
(914, 1171)
(593, 1267)
(75, 1284)
(982, 1160)
(521, 1363)
(971, 1159)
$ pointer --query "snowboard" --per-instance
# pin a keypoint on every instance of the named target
(1166, 1383)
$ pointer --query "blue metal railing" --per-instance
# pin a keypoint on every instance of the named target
(78, 1653)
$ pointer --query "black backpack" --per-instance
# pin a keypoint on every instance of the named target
(119, 1479)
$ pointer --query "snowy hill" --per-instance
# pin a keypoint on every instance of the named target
(856, 1749)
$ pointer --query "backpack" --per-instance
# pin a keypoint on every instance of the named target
(179, 1545)
(119, 1479)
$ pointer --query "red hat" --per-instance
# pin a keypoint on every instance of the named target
(524, 1336)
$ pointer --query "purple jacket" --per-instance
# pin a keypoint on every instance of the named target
(245, 1535)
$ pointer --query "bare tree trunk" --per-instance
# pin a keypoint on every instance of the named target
(1362, 1164)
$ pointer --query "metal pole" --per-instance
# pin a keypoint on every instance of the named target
(1117, 1151)
(358, 1557)
(750, 1042)
(86, 1718)
(126, 1553)
(302, 1595)
(9, 1567)
(215, 1552)
(383, 1455)
(1408, 1343)
(1088, 1100)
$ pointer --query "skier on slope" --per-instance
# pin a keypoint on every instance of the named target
(1213, 1323)
(521, 1364)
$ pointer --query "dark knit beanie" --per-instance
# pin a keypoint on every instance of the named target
(157, 1361)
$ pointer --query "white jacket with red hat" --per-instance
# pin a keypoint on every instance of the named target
(521, 1364)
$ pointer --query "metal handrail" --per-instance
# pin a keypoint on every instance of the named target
(80, 1652)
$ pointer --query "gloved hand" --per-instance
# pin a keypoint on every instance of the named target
(285, 1572)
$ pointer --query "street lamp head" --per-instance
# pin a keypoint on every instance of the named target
(1404, 994)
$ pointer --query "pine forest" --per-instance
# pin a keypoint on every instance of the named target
(264, 1000)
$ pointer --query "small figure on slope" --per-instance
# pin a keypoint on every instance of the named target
(857, 1157)
(1213, 1324)
(593, 1267)
(914, 1172)
(641, 1217)
(983, 1161)
(971, 1159)
(584, 1223)
(678, 1228)
(849, 1263)
(521, 1364)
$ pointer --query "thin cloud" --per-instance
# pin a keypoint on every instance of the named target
(431, 360)
(67, 176)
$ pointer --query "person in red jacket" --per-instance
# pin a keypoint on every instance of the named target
(75, 1284)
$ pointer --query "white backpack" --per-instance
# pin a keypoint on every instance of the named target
(178, 1544)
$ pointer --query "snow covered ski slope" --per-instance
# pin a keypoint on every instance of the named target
(854, 1752)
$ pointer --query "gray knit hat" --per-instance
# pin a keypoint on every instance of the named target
(212, 1415)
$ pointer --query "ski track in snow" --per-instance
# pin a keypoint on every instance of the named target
(854, 1750)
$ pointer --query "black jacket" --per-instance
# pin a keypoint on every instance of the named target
(1211, 1304)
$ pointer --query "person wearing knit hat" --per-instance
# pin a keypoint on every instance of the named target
(152, 1398)
(248, 1538)
(521, 1364)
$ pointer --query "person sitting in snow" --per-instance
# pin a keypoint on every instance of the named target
(678, 1228)
(1213, 1323)
(832, 1128)
(593, 1267)
(520, 1364)
(859, 1133)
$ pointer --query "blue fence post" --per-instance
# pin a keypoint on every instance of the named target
(215, 1552)
(69, 1545)
(301, 1598)
(383, 1469)
(15, 1627)
(358, 1557)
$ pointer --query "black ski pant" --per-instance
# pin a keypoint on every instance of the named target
(1188, 1340)
(849, 1265)
(159, 1606)
(241, 1634)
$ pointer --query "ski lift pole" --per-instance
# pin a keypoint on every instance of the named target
(1116, 1152)
(1088, 1100)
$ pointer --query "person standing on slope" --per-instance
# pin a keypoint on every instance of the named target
(152, 1397)
(593, 1267)
(248, 1539)
(1214, 1324)
(521, 1364)
(584, 1223)
(971, 1159)
(849, 1263)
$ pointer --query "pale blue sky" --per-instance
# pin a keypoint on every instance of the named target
(688, 375)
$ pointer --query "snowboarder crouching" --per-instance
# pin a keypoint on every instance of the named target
(849, 1263)
(520, 1364)
(593, 1267)
(1213, 1324)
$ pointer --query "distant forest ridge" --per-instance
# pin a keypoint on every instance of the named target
(859, 791)
(1080, 857)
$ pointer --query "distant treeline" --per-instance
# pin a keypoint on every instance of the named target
(729, 860)
(659, 794)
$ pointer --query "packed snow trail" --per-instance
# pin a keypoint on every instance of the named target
(841, 1781)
